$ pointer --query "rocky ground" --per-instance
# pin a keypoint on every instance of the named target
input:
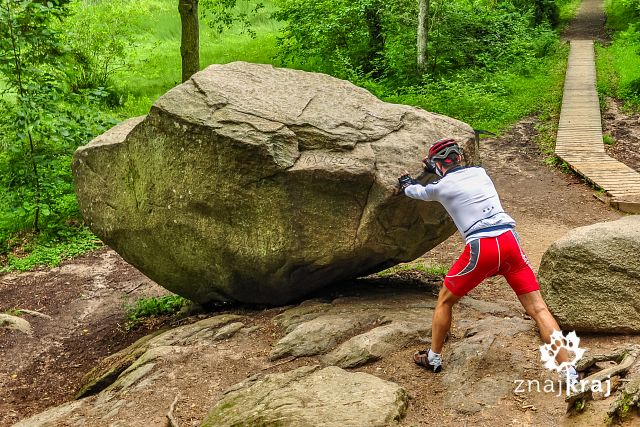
(369, 326)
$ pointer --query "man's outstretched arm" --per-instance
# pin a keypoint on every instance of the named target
(411, 188)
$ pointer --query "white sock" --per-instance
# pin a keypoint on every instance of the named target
(432, 355)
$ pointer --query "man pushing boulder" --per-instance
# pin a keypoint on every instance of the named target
(492, 246)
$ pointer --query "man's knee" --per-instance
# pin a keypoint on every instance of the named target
(533, 304)
(447, 298)
(537, 309)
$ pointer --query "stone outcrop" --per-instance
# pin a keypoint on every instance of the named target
(590, 278)
(217, 371)
(309, 396)
(258, 184)
(353, 331)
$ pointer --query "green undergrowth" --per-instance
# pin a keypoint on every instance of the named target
(154, 63)
(618, 63)
(145, 308)
(26, 252)
(436, 270)
(494, 101)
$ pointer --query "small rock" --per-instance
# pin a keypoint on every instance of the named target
(8, 321)
(228, 331)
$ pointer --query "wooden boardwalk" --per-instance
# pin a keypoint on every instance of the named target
(579, 141)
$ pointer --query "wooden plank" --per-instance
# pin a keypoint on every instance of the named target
(579, 140)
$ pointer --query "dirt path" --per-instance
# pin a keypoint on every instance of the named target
(588, 23)
(85, 299)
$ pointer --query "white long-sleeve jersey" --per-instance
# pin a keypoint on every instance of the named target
(470, 198)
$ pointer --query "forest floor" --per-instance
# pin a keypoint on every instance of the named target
(85, 299)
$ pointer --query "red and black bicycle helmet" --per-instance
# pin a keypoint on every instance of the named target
(442, 150)
(445, 150)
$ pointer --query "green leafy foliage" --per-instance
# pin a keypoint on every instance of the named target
(42, 123)
(222, 15)
(98, 39)
(43, 250)
(436, 270)
(153, 307)
(489, 64)
(377, 39)
(618, 64)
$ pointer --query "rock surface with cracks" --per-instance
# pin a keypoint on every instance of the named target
(259, 184)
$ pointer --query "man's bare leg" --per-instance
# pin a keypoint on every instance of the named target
(442, 318)
(538, 310)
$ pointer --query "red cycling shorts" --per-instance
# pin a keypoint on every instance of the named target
(490, 256)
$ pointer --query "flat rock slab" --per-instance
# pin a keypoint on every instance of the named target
(321, 334)
(354, 330)
(487, 347)
(590, 278)
(310, 396)
(378, 342)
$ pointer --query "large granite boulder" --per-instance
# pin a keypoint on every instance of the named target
(259, 184)
(590, 278)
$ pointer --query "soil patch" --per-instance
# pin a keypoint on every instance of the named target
(85, 299)
(588, 23)
(624, 129)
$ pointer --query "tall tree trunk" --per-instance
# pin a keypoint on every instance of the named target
(190, 43)
(423, 33)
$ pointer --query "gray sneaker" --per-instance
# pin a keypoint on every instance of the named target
(433, 363)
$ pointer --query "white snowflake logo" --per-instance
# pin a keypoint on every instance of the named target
(570, 343)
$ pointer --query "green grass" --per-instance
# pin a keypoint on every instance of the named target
(156, 62)
(436, 270)
(618, 64)
(153, 307)
(41, 253)
(498, 101)
(608, 139)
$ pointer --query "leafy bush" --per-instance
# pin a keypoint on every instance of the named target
(99, 39)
